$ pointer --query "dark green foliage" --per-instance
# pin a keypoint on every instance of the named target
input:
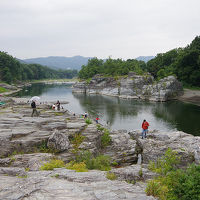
(182, 62)
(186, 184)
(111, 67)
(11, 70)
(173, 183)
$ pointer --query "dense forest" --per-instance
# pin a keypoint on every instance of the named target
(181, 62)
(11, 70)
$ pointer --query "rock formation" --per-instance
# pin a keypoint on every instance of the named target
(132, 86)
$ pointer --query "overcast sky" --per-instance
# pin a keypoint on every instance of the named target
(101, 28)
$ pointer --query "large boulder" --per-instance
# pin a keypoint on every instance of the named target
(122, 149)
(58, 141)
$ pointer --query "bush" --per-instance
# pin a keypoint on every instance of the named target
(78, 167)
(173, 183)
(111, 176)
(101, 162)
(185, 185)
(76, 141)
(167, 163)
(53, 164)
(88, 121)
(99, 127)
(156, 188)
(105, 138)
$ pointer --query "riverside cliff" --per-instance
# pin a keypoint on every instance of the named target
(24, 139)
(133, 86)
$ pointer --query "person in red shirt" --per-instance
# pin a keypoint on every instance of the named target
(145, 126)
(97, 120)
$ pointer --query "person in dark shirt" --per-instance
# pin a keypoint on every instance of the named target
(33, 105)
(58, 105)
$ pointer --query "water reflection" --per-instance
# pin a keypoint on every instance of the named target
(184, 116)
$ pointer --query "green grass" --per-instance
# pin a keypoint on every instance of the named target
(111, 176)
(191, 87)
(52, 164)
(2, 90)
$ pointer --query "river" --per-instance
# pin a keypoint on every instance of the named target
(122, 113)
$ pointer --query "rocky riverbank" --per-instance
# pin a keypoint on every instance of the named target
(24, 139)
(134, 86)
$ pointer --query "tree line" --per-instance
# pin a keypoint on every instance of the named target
(110, 67)
(11, 70)
(184, 63)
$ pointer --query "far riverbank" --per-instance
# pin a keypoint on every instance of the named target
(191, 96)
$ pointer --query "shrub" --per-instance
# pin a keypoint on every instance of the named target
(78, 167)
(173, 183)
(185, 185)
(76, 141)
(101, 162)
(111, 176)
(105, 138)
(167, 163)
(86, 157)
(88, 121)
(99, 127)
(53, 164)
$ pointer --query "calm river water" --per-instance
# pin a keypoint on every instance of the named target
(122, 113)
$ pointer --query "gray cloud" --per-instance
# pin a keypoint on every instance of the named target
(102, 28)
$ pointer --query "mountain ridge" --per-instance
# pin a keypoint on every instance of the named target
(60, 62)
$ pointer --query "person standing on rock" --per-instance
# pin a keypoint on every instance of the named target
(97, 120)
(145, 126)
(33, 105)
(58, 105)
(85, 115)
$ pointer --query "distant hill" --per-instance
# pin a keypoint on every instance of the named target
(58, 62)
(145, 58)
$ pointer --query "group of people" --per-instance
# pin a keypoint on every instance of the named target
(56, 106)
(33, 105)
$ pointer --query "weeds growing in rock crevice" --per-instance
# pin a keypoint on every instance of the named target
(76, 141)
(84, 161)
(52, 164)
(105, 138)
(100, 162)
(88, 121)
(111, 176)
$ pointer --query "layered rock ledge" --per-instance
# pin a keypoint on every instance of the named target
(133, 86)
(23, 138)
